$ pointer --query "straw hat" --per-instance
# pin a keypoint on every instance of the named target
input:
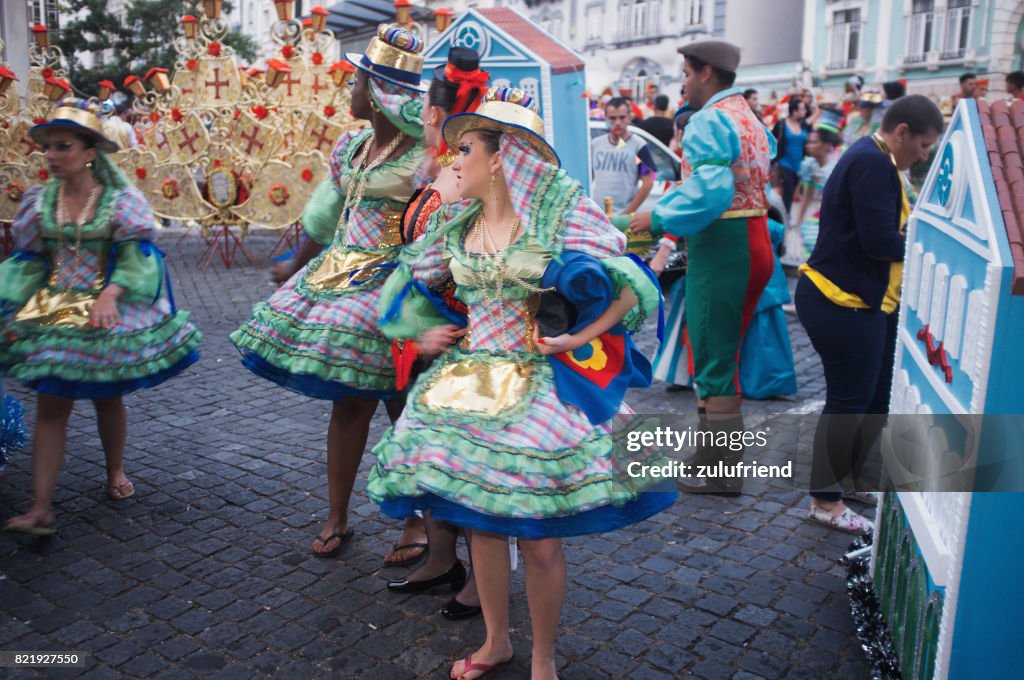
(507, 110)
(80, 116)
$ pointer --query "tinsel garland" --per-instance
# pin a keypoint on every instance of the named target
(12, 429)
(872, 631)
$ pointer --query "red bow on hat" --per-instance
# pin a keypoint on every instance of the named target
(467, 82)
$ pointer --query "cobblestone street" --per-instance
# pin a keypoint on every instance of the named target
(207, 572)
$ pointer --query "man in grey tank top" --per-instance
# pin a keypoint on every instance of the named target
(621, 164)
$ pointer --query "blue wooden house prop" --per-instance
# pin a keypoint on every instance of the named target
(947, 565)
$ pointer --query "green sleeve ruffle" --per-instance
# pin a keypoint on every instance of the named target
(624, 271)
(320, 218)
(21, 275)
(138, 268)
(407, 307)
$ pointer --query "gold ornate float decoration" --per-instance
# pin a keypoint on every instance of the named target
(225, 147)
(22, 164)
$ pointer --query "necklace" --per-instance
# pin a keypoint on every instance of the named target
(360, 175)
(88, 210)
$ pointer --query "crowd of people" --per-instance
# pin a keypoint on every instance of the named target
(455, 273)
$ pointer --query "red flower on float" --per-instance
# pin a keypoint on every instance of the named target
(140, 173)
(14, 191)
(213, 49)
(287, 51)
(39, 120)
(260, 111)
(329, 111)
(192, 64)
(47, 72)
(307, 175)
(43, 174)
(238, 112)
(170, 189)
(176, 115)
(278, 194)
(154, 117)
(317, 58)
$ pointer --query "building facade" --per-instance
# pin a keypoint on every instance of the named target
(927, 42)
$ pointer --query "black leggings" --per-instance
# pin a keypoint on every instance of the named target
(857, 349)
(790, 181)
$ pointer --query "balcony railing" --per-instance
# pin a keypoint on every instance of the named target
(841, 65)
(954, 54)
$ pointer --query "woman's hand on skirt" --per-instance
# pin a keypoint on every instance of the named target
(438, 339)
(104, 313)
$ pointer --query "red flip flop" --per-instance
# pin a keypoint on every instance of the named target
(483, 668)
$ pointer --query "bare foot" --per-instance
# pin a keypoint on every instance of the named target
(413, 533)
(481, 661)
(120, 487)
(543, 670)
(330, 539)
(33, 522)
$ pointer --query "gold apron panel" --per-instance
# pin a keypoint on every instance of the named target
(477, 387)
(58, 308)
(341, 269)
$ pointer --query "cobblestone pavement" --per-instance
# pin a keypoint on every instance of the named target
(206, 571)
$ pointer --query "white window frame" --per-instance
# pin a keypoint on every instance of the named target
(593, 20)
(963, 16)
(694, 12)
(921, 38)
(846, 63)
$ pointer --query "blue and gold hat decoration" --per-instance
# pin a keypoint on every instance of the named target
(393, 55)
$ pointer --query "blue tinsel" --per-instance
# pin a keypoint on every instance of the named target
(12, 429)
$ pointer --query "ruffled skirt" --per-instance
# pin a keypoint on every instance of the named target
(148, 346)
(323, 344)
(484, 442)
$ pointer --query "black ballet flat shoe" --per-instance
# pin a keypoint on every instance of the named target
(456, 611)
(455, 577)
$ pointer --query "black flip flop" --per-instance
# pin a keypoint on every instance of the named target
(343, 538)
(408, 561)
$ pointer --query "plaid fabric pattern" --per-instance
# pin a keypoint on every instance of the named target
(366, 224)
(133, 218)
(507, 326)
(25, 228)
(329, 331)
(590, 232)
(77, 272)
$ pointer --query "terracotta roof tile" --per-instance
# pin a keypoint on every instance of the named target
(562, 59)
(1002, 127)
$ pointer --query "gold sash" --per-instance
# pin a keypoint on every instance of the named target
(340, 268)
(59, 308)
(477, 387)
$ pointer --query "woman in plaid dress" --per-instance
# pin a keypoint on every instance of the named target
(317, 335)
(87, 302)
(485, 441)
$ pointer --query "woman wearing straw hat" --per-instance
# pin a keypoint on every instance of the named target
(317, 335)
(90, 313)
(485, 440)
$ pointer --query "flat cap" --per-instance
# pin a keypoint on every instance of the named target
(717, 53)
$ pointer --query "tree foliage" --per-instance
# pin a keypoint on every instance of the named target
(131, 44)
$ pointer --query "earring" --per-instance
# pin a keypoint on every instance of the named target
(373, 106)
(494, 192)
(89, 164)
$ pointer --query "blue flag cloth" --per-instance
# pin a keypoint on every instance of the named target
(594, 378)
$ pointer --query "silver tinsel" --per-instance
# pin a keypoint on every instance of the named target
(12, 429)
(870, 625)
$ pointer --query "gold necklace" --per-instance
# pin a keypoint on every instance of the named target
(88, 211)
(360, 177)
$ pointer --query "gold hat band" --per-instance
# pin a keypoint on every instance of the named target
(504, 117)
(380, 53)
